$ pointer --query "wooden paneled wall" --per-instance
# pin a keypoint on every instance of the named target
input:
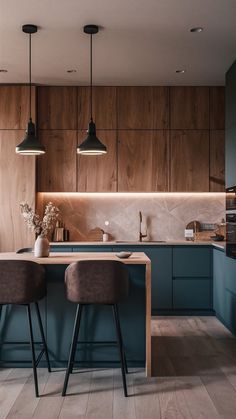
(17, 173)
(158, 139)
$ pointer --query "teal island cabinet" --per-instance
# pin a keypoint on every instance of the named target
(97, 323)
(224, 274)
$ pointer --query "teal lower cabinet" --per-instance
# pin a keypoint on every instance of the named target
(192, 294)
(219, 273)
(59, 248)
(224, 274)
(101, 248)
(192, 279)
(192, 261)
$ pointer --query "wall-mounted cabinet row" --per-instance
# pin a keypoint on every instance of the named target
(137, 161)
(158, 138)
(132, 107)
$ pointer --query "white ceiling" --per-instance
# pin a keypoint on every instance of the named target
(142, 42)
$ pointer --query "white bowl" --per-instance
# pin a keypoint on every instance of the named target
(123, 255)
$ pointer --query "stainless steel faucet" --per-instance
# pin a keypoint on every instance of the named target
(141, 235)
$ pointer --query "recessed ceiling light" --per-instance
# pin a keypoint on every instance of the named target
(198, 29)
(72, 70)
(180, 71)
(3, 70)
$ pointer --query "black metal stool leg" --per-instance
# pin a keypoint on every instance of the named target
(119, 342)
(118, 320)
(73, 347)
(33, 351)
(42, 336)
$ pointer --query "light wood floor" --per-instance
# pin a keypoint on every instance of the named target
(195, 368)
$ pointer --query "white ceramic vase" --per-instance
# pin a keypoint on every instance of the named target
(41, 247)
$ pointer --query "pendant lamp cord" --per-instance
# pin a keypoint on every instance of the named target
(30, 76)
(91, 77)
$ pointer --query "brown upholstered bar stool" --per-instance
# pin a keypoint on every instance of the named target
(22, 283)
(104, 282)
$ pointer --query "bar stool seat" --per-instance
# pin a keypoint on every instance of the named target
(101, 282)
(23, 283)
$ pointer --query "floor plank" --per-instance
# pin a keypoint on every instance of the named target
(50, 403)
(100, 403)
(10, 388)
(76, 401)
(26, 403)
(123, 407)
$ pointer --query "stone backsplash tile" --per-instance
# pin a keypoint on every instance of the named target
(164, 215)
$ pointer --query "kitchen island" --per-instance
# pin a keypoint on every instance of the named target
(97, 324)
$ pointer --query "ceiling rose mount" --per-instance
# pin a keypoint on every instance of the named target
(29, 28)
(91, 29)
(91, 146)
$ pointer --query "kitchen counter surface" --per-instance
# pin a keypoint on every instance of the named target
(143, 243)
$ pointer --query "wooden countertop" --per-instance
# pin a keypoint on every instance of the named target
(62, 258)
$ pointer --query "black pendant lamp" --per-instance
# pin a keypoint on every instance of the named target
(30, 145)
(91, 146)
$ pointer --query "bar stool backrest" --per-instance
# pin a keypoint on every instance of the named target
(21, 282)
(97, 282)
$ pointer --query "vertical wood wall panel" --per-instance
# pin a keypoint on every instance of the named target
(98, 173)
(57, 107)
(17, 184)
(217, 161)
(217, 107)
(142, 161)
(57, 167)
(189, 157)
(14, 106)
(104, 107)
(189, 107)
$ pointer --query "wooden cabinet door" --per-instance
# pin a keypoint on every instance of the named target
(217, 107)
(142, 161)
(57, 168)
(104, 107)
(142, 107)
(17, 184)
(189, 156)
(57, 107)
(189, 107)
(135, 107)
(160, 107)
(98, 173)
(14, 107)
(217, 161)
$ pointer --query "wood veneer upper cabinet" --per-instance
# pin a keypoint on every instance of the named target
(189, 156)
(57, 168)
(57, 107)
(143, 161)
(189, 107)
(217, 107)
(14, 106)
(217, 161)
(17, 184)
(104, 107)
(98, 174)
(142, 107)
